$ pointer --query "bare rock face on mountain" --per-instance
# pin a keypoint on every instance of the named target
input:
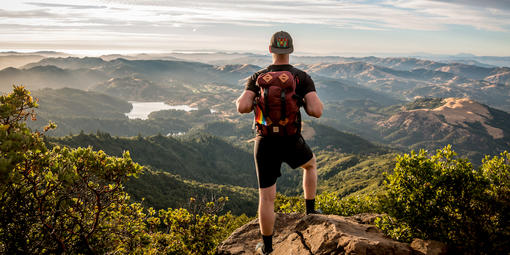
(323, 234)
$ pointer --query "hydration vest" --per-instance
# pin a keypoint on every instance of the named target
(277, 104)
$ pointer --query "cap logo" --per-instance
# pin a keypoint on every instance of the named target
(267, 77)
(283, 78)
(282, 42)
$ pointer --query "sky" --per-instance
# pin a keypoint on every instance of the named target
(318, 27)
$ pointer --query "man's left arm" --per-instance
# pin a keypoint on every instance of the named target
(245, 102)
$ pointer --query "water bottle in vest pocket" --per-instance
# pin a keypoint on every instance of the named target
(276, 108)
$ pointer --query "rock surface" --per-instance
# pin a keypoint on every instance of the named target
(321, 234)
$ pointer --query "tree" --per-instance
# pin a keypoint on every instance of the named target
(54, 201)
(443, 197)
(72, 200)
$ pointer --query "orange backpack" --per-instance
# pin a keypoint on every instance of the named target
(277, 105)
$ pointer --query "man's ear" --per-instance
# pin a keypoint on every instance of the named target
(270, 49)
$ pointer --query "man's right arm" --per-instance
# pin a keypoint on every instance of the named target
(245, 101)
(313, 105)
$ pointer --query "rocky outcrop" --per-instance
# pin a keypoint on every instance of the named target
(324, 234)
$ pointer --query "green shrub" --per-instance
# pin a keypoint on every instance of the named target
(444, 198)
(396, 230)
(72, 201)
(330, 203)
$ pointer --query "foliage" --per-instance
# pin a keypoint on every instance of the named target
(72, 200)
(444, 198)
(394, 229)
(424, 103)
(330, 203)
(348, 174)
(195, 231)
(163, 190)
(198, 156)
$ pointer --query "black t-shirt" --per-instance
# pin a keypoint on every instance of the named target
(304, 86)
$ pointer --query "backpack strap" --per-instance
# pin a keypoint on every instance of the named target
(283, 110)
(266, 103)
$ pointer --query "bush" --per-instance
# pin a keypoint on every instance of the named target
(444, 198)
(330, 203)
(73, 201)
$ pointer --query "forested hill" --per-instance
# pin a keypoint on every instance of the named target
(162, 190)
(200, 157)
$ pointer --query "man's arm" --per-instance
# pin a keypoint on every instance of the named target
(313, 105)
(245, 101)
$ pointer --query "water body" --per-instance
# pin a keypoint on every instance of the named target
(141, 110)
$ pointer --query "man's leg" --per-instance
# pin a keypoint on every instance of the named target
(266, 209)
(310, 178)
(310, 184)
(266, 216)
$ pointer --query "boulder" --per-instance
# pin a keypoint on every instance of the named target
(428, 247)
(320, 234)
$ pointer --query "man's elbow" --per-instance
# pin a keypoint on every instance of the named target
(315, 111)
(243, 108)
(318, 113)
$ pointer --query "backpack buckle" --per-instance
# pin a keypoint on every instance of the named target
(284, 122)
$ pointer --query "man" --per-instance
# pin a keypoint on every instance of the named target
(271, 150)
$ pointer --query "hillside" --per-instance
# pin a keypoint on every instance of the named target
(352, 174)
(76, 110)
(198, 157)
(133, 89)
(69, 102)
(486, 85)
(49, 76)
(474, 129)
(163, 190)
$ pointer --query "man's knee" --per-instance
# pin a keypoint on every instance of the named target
(268, 195)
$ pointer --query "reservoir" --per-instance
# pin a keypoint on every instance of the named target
(141, 110)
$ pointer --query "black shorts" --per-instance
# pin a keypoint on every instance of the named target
(270, 152)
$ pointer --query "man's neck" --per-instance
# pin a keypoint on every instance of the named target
(280, 59)
(281, 63)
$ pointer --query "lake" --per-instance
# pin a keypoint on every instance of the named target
(141, 110)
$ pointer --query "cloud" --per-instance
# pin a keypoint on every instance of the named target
(420, 15)
(26, 14)
(159, 20)
(71, 6)
(376, 15)
(497, 4)
(458, 12)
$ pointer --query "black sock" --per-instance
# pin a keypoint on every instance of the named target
(310, 206)
(268, 243)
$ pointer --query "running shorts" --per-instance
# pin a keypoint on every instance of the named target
(270, 151)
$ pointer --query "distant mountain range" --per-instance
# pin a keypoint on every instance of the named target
(374, 108)
(359, 93)
(487, 85)
(429, 123)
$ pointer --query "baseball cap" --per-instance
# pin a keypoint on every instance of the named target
(281, 43)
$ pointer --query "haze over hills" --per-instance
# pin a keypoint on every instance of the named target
(19, 59)
(373, 108)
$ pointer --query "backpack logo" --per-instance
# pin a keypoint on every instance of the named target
(284, 77)
(267, 77)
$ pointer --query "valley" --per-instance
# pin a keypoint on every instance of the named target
(374, 109)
